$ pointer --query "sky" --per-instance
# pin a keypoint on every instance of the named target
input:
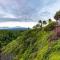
(12, 24)
(28, 10)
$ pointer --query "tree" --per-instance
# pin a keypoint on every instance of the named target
(36, 26)
(40, 22)
(50, 26)
(44, 22)
(57, 15)
(49, 21)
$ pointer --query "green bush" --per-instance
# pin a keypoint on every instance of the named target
(50, 26)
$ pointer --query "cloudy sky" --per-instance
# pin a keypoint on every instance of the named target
(28, 10)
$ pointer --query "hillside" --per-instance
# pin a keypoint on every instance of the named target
(31, 45)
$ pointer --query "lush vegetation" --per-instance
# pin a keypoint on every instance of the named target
(33, 44)
(7, 36)
(30, 45)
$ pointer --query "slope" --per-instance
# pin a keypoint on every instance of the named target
(32, 45)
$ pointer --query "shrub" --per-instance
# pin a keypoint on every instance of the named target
(50, 26)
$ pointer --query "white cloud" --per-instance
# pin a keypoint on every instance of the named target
(47, 11)
(14, 24)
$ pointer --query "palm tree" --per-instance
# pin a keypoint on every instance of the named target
(57, 18)
(44, 22)
(57, 15)
(40, 22)
(49, 21)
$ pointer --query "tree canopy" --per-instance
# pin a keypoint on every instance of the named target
(57, 15)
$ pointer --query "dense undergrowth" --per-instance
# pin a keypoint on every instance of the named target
(33, 45)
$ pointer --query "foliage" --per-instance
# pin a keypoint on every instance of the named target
(6, 36)
(44, 22)
(57, 15)
(49, 21)
(40, 24)
(36, 26)
(50, 26)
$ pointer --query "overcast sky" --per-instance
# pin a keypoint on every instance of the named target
(28, 10)
(32, 10)
(17, 24)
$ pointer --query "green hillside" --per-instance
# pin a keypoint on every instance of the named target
(32, 45)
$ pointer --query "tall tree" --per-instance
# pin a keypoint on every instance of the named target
(36, 26)
(44, 22)
(57, 15)
(49, 21)
(40, 22)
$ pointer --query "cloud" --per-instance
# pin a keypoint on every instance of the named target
(48, 10)
(33, 10)
(15, 24)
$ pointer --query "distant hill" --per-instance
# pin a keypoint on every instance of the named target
(14, 28)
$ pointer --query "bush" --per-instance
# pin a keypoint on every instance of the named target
(50, 26)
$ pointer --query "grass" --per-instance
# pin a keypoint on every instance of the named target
(33, 45)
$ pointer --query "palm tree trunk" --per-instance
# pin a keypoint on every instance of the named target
(41, 25)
